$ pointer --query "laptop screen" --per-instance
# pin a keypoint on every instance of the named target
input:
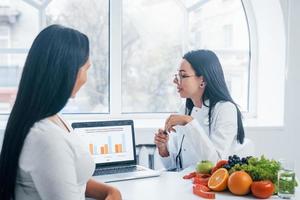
(109, 142)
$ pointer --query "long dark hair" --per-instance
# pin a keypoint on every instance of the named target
(206, 64)
(47, 82)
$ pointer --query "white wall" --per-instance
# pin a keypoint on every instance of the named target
(292, 114)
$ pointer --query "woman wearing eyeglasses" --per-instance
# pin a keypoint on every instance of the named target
(209, 126)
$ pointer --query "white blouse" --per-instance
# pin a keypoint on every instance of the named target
(54, 164)
(198, 144)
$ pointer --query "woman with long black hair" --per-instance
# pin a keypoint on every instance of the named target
(209, 127)
(40, 157)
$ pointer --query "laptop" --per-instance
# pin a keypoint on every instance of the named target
(112, 146)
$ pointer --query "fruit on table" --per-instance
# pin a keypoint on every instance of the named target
(262, 189)
(218, 180)
(233, 160)
(204, 166)
(259, 168)
(239, 183)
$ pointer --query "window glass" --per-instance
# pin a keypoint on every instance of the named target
(151, 52)
(91, 18)
(10, 73)
(157, 33)
(224, 29)
(22, 18)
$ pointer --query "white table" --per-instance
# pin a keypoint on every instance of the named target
(169, 186)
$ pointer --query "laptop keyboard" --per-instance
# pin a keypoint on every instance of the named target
(116, 170)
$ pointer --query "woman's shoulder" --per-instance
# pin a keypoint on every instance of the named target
(45, 134)
(42, 140)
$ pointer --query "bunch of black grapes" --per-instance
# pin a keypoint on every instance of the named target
(233, 160)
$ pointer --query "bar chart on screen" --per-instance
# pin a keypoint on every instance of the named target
(108, 144)
(115, 144)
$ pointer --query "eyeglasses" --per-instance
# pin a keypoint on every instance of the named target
(179, 77)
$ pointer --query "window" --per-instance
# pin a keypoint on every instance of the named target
(224, 29)
(12, 52)
(90, 17)
(152, 36)
(151, 51)
(10, 76)
(156, 34)
(26, 18)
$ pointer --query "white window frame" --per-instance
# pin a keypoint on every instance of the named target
(253, 41)
(115, 77)
(145, 121)
(251, 118)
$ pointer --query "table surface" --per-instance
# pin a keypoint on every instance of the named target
(169, 185)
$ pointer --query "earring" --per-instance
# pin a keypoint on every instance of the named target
(202, 85)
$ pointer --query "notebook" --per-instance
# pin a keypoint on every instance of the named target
(112, 146)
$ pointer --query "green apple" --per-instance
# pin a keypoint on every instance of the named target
(204, 167)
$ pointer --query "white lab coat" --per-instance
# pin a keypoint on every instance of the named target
(199, 145)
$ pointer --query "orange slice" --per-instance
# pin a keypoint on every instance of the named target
(218, 180)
